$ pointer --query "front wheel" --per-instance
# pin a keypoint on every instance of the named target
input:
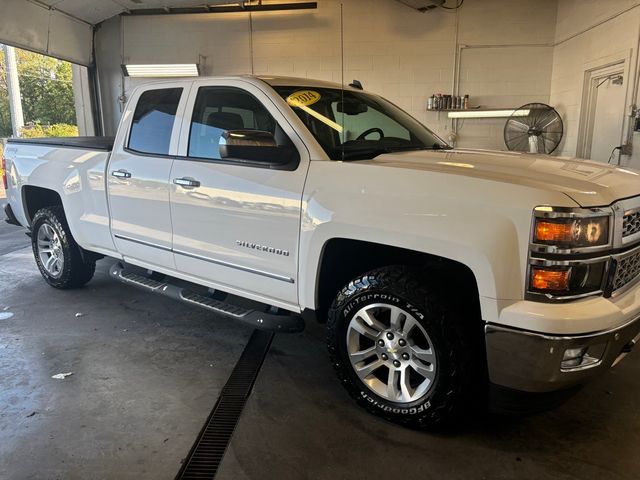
(400, 349)
(57, 254)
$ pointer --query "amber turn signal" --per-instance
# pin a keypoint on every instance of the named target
(546, 279)
(554, 232)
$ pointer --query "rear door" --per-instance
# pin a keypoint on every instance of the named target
(138, 174)
(237, 227)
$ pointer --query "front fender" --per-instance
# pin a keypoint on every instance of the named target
(479, 223)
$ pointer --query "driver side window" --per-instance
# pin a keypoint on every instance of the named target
(356, 125)
(218, 109)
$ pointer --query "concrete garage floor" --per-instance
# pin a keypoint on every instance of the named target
(147, 372)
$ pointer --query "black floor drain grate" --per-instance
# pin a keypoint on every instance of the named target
(210, 446)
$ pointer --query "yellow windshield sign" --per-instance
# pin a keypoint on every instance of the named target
(303, 98)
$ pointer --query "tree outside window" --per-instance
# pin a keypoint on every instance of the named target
(47, 96)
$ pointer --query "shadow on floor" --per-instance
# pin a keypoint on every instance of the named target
(147, 371)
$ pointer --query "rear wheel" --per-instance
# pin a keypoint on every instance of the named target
(401, 349)
(58, 256)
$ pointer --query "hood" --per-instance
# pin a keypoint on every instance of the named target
(588, 183)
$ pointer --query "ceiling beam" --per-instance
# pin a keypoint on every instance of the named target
(240, 7)
(55, 9)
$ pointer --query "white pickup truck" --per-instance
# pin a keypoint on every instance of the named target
(442, 274)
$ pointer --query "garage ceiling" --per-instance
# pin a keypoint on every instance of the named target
(63, 28)
(95, 11)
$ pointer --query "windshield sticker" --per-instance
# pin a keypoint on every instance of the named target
(303, 98)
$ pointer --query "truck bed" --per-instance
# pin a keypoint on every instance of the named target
(88, 143)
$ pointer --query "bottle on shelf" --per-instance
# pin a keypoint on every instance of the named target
(439, 101)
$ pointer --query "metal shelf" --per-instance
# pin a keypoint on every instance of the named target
(472, 109)
(454, 110)
(481, 112)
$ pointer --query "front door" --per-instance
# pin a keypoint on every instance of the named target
(236, 226)
(138, 177)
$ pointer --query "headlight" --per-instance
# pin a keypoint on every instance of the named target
(572, 232)
(564, 258)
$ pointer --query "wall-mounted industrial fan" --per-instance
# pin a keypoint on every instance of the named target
(533, 128)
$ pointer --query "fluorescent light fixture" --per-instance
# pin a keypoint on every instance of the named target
(162, 70)
(489, 113)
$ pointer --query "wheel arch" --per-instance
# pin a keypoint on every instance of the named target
(343, 259)
(35, 198)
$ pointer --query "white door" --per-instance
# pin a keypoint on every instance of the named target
(608, 117)
(138, 176)
(237, 225)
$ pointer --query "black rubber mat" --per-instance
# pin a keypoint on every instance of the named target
(209, 448)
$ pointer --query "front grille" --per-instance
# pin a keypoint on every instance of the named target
(631, 224)
(627, 270)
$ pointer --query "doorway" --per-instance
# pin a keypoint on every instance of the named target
(603, 113)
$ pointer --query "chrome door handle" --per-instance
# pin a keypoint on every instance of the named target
(121, 174)
(186, 182)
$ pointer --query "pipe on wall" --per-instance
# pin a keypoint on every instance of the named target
(636, 71)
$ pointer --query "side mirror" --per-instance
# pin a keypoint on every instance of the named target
(254, 146)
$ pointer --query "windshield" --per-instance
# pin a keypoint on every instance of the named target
(355, 125)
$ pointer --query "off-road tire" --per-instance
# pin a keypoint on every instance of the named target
(449, 398)
(77, 269)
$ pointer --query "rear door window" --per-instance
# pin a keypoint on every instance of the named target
(153, 121)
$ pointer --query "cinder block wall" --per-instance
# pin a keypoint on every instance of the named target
(590, 34)
(394, 50)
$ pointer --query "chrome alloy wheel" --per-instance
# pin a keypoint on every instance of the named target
(391, 352)
(50, 250)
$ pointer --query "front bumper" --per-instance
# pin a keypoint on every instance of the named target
(533, 362)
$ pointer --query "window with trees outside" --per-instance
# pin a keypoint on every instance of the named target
(46, 90)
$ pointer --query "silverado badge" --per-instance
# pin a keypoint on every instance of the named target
(262, 248)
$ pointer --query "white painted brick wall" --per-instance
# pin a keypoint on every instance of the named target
(394, 50)
(598, 46)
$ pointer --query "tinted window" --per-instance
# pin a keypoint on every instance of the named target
(354, 125)
(358, 123)
(153, 121)
(218, 109)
